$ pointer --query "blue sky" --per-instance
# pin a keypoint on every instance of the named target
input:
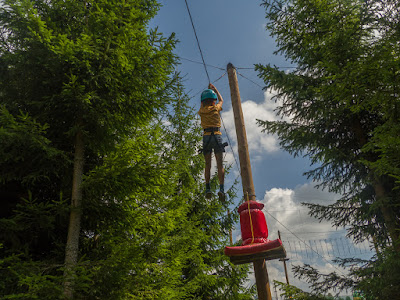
(233, 31)
(229, 31)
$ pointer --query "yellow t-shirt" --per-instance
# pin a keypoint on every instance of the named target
(210, 117)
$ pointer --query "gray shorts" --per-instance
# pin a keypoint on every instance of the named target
(211, 142)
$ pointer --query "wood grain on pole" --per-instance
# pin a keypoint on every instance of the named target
(262, 280)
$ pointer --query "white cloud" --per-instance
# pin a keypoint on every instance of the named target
(259, 143)
(284, 211)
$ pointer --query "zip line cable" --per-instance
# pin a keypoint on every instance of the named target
(211, 82)
(237, 68)
(198, 43)
(200, 63)
(249, 68)
(250, 80)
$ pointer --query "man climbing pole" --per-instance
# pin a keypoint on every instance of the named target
(212, 137)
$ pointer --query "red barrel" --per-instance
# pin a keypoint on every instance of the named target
(257, 219)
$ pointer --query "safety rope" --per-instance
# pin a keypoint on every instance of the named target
(197, 62)
(198, 43)
(251, 222)
(230, 145)
(211, 82)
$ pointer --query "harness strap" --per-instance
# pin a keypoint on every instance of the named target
(211, 129)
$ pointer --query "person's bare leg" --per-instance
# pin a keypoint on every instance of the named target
(207, 170)
(207, 173)
(220, 167)
(221, 174)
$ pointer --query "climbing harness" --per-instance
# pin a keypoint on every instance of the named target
(212, 130)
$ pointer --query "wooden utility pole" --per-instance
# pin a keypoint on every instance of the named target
(284, 260)
(260, 269)
(243, 149)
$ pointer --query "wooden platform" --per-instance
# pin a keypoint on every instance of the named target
(268, 255)
(250, 253)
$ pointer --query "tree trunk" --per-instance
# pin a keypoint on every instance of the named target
(389, 217)
(380, 191)
(72, 246)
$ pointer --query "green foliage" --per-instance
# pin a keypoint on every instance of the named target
(147, 231)
(324, 283)
(378, 278)
(292, 292)
(340, 108)
(33, 155)
(95, 63)
(160, 232)
(26, 279)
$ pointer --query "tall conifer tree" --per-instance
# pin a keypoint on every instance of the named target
(343, 104)
(89, 101)
(89, 69)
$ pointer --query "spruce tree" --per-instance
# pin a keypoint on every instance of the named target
(342, 102)
(92, 113)
(90, 71)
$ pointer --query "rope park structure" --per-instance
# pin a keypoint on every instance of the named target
(256, 248)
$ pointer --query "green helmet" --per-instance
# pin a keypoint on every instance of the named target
(208, 94)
